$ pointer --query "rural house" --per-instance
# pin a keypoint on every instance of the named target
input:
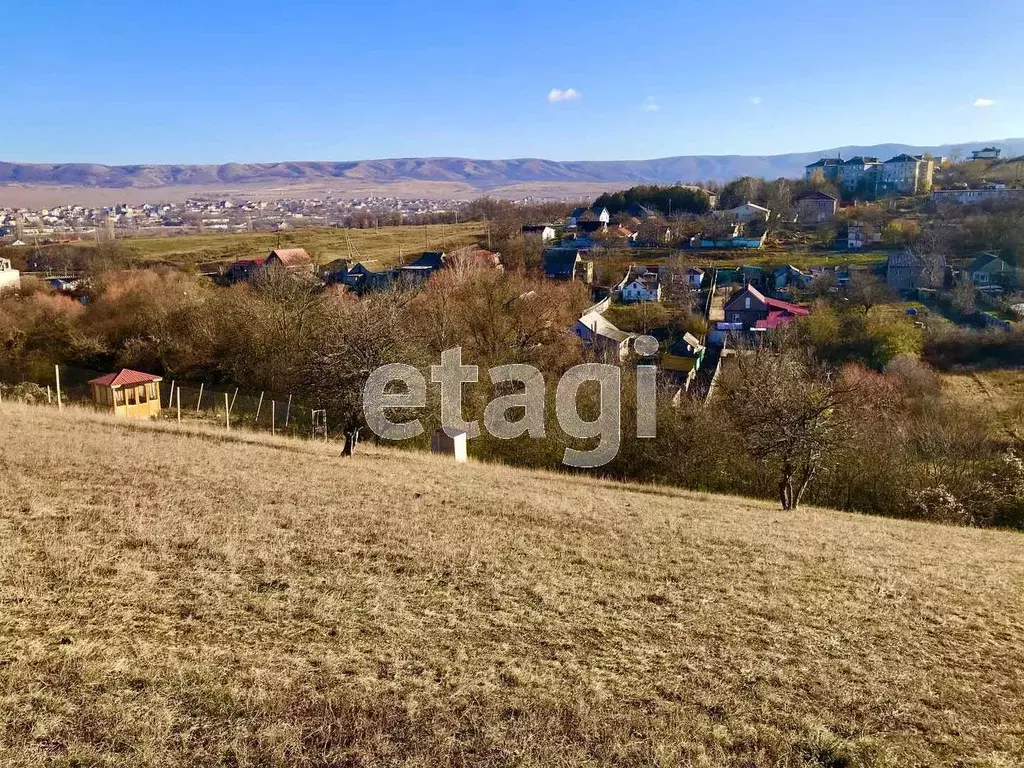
(752, 310)
(567, 264)
(545, 232)
(694, 277)
(644, 286)
(744, 214)
(10, 279)
(907, 271)
(988, 153)
(600, 335)
(988, 269)
(127, 393)
(815, 207)
(432, 260)
(292, 259)
(789, 276)
(596, 213)
(683, 358)
(244, 270)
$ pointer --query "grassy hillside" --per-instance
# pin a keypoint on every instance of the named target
(385, 243)
(998, 392)
(213, 599)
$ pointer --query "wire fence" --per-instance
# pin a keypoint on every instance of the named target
(274, 413)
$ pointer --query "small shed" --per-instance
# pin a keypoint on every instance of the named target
(127, 393)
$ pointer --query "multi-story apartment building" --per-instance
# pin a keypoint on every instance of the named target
(907, 175)
(860, 173)
(900, 175)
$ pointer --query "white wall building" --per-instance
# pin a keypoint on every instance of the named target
(10, 279)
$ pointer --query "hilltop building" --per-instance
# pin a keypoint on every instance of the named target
(900, 175)
(988, 153)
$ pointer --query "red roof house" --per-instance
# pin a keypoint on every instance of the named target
(753, 309)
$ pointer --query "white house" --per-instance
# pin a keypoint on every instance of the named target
(694, 277)
(745, 213)
(545, 231)
(643, 288)
(599, 334)
(600, 213)
(988, 153)
(10, 279)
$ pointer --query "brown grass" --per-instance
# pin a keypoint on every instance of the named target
(999, 393)
(195, 598)
(385, 244)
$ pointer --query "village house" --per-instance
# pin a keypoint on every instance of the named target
(545, 232)
(815, 207)
(567, 264)
(292, 259)
(745, 213)
(365, 276)
(750, 309)
(596, 213)
(907, 271)
(430, 260)
(858, 236)
(987, 153)
(334, 271)
(990, 270)
(244, 270)
(789, 276)
(127, 393)
(640, 212)
(683, 358)
(10, 278)
(694, 277)
(640, 284)
(599, 334)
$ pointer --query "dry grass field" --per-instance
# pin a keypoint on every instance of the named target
(385, 244)
(999, 392)
(199, 598)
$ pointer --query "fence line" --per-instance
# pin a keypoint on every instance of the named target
(228, 407)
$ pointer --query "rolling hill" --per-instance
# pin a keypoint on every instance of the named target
(476, 174)
(191, 597)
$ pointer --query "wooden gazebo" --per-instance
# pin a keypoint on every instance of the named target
(128, 393)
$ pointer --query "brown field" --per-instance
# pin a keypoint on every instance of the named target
(206, 598)
(386, 244)
(997, 392)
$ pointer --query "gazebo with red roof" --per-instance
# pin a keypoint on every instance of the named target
(128, 393)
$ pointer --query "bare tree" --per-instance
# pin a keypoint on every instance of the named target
(788, 414)
(366, 334)
(866, 290)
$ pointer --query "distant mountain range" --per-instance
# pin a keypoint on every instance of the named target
(478, 174)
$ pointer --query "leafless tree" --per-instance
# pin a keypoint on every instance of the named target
(788, 413)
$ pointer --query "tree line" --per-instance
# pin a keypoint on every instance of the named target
(796, 420)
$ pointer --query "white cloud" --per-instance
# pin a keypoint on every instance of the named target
(755, 100)
(983, 102)
(650, 105)
(563, 94)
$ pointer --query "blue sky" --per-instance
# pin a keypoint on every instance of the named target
(256, 81)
